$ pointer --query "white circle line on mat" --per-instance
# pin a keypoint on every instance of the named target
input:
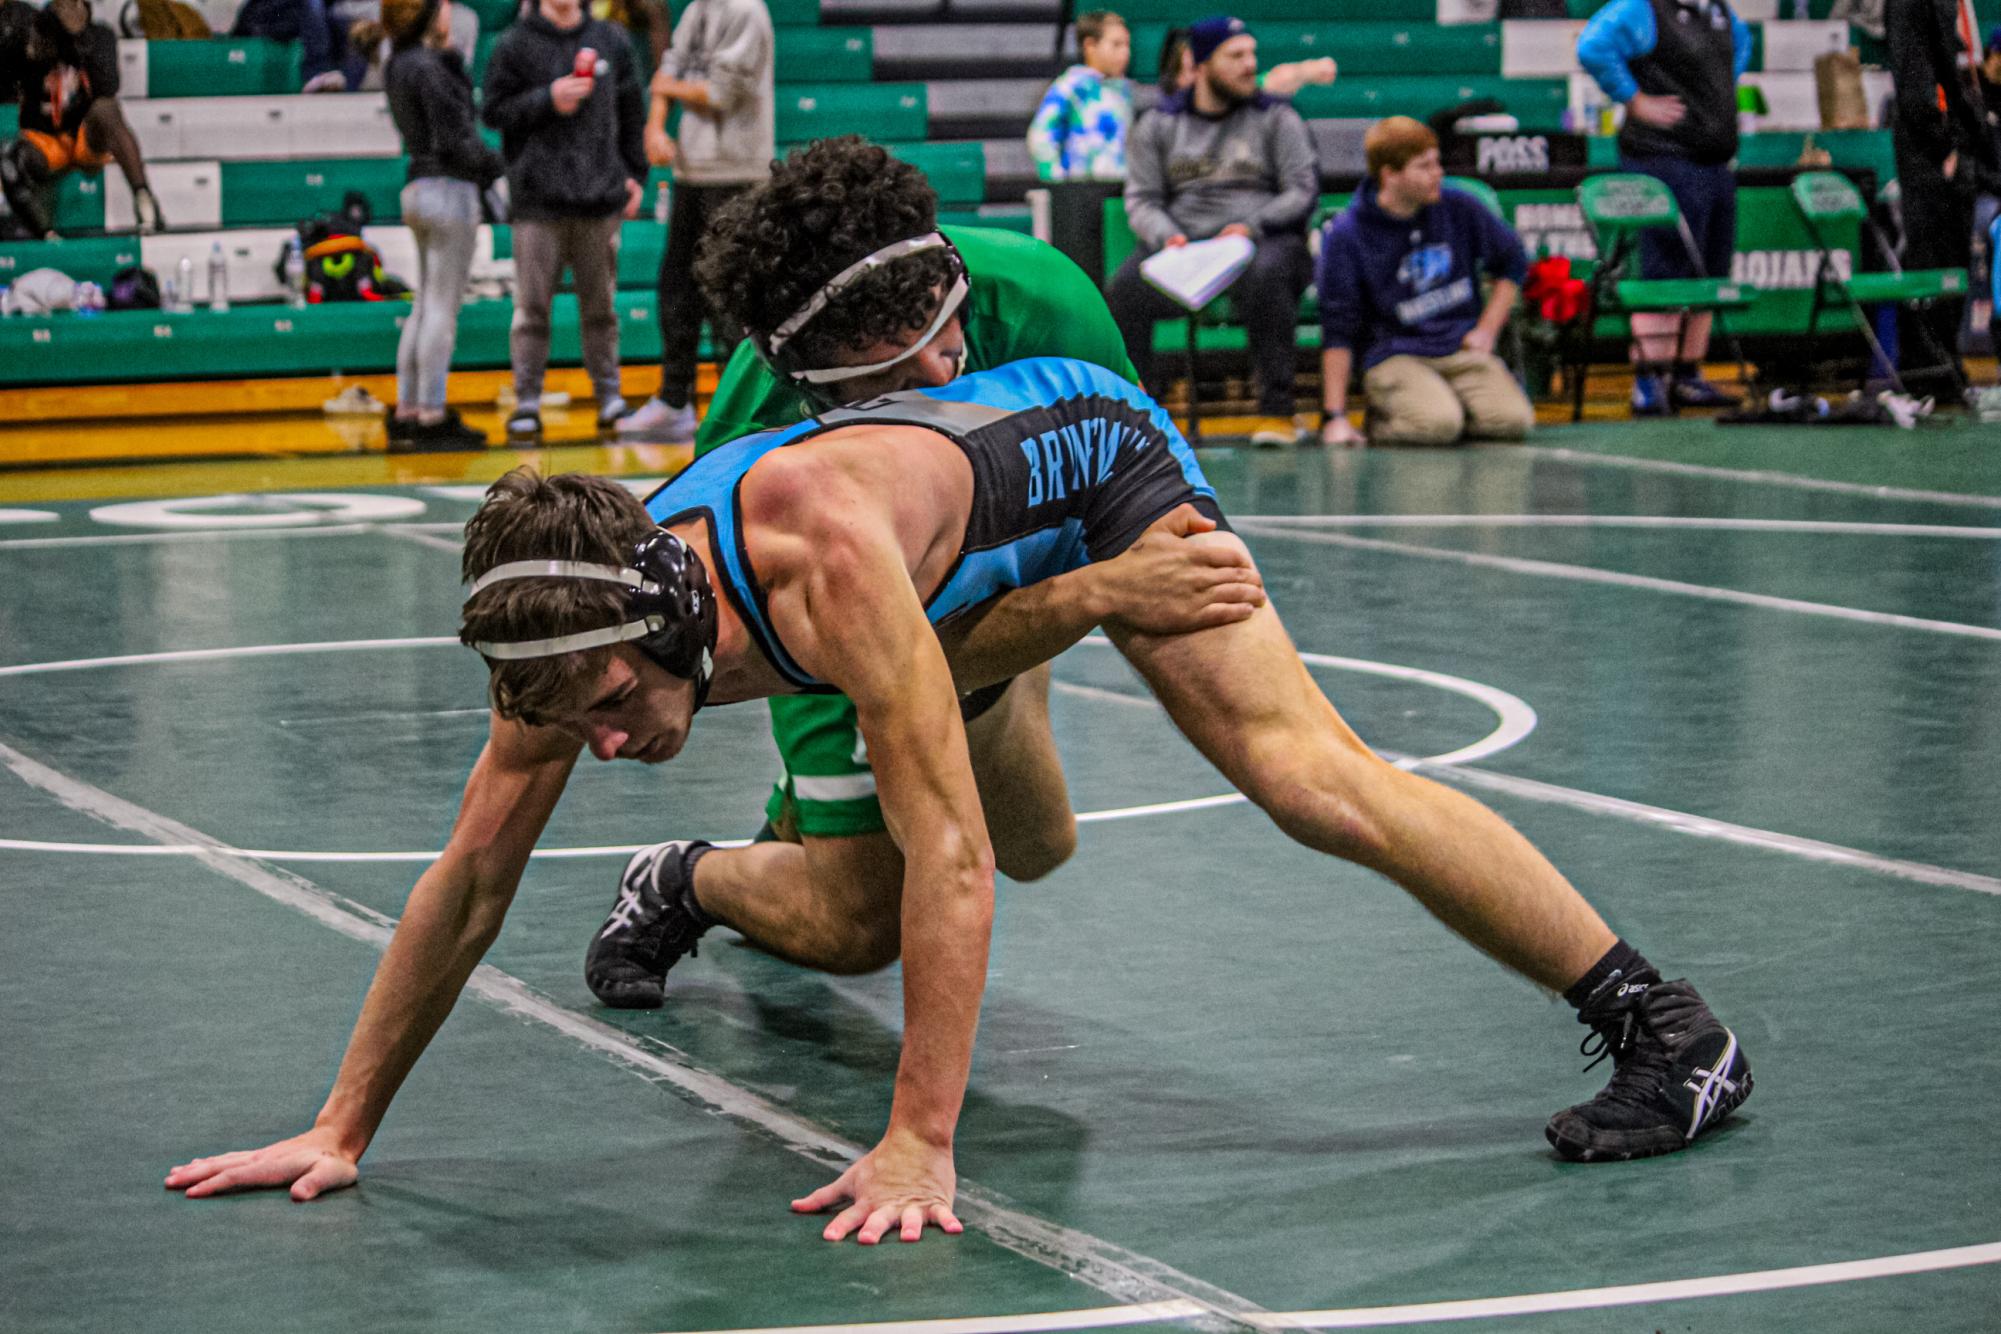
(1515, 720)
(273, 509)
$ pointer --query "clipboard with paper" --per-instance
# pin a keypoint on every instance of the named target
(1193, 275)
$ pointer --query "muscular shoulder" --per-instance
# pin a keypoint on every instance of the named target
(801, 498)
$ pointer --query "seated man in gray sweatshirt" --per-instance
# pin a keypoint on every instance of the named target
(1222, 158)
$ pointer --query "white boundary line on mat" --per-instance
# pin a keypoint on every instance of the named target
(1126, 1276)
(1795, 481)
(1591, 574)
(1643, 521)
(1514, 720)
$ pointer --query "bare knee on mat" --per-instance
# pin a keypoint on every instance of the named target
(867, 942)
(1030, 855)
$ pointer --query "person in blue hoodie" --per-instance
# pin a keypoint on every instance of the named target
(1673, 64)
(1399, 281)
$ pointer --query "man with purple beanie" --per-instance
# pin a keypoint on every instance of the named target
(1222, 158)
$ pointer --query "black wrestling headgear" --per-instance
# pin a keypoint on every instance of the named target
(671, 611)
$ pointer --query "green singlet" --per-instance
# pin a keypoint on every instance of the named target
(1024, 299)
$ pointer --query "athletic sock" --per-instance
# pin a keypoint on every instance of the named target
(1621, 961)
(1687, 370)
(688, 900)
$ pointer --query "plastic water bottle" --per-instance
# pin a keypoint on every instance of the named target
(218, 278)
(295, 275)
(184, 288)
(662, 204)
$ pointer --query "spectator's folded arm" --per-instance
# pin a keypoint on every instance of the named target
(1298, 171)
(514, 101)
(736, 67)
(1146, 183)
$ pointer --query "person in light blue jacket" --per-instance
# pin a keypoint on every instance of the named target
(1674, 64)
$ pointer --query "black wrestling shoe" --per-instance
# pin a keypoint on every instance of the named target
(1676, 1072)
(654, 921)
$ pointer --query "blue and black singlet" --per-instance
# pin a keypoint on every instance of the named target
(1070, 465)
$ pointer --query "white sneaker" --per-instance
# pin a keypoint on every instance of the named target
(1274, 431)
(1904, 409)
(551, 398)
(656, 423)
(612, 411)
(354, 401)
(333, 81)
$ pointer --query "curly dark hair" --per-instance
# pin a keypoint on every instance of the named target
(824, 207)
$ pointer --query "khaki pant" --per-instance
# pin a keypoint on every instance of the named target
(1439, 400)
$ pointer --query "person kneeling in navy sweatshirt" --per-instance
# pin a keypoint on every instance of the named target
(1399, 281)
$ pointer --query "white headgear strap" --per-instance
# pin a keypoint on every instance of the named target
(583, 639)
(955, 296)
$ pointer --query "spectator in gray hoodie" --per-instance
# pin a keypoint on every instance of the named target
(719, 69)
(1220, 159)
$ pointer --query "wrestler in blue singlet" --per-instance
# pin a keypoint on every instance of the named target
(1070, 465)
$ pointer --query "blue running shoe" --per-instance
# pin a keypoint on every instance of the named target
(1696, 392)
(1649, 399)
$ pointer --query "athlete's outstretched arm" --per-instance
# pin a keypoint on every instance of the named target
(448, 923)
(842, 601)
(1173, 580)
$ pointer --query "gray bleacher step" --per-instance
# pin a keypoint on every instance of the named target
(1337, 143)
(982, 108)
(880, 11)
(891, 12)
(963, 50)
(1010, 170)
(1016, 10)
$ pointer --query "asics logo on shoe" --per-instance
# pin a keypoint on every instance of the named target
(624, 913)
(1710, 1086)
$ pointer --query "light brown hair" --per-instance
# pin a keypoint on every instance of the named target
(1091, 26)
(526, 516)
(1393, 142)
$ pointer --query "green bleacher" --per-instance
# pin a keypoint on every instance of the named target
(353, 337)
(1538, 103)
(277, 194)
(886, 112)
(823, 55)
(85, 258)
(1333, 13)
(1361, 46)
(221, 67)
(1394, 56)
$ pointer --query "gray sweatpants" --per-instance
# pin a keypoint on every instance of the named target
(589, 246)
(443, 217)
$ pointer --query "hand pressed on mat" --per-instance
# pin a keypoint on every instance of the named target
(311, 1164)
(901, 1183)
